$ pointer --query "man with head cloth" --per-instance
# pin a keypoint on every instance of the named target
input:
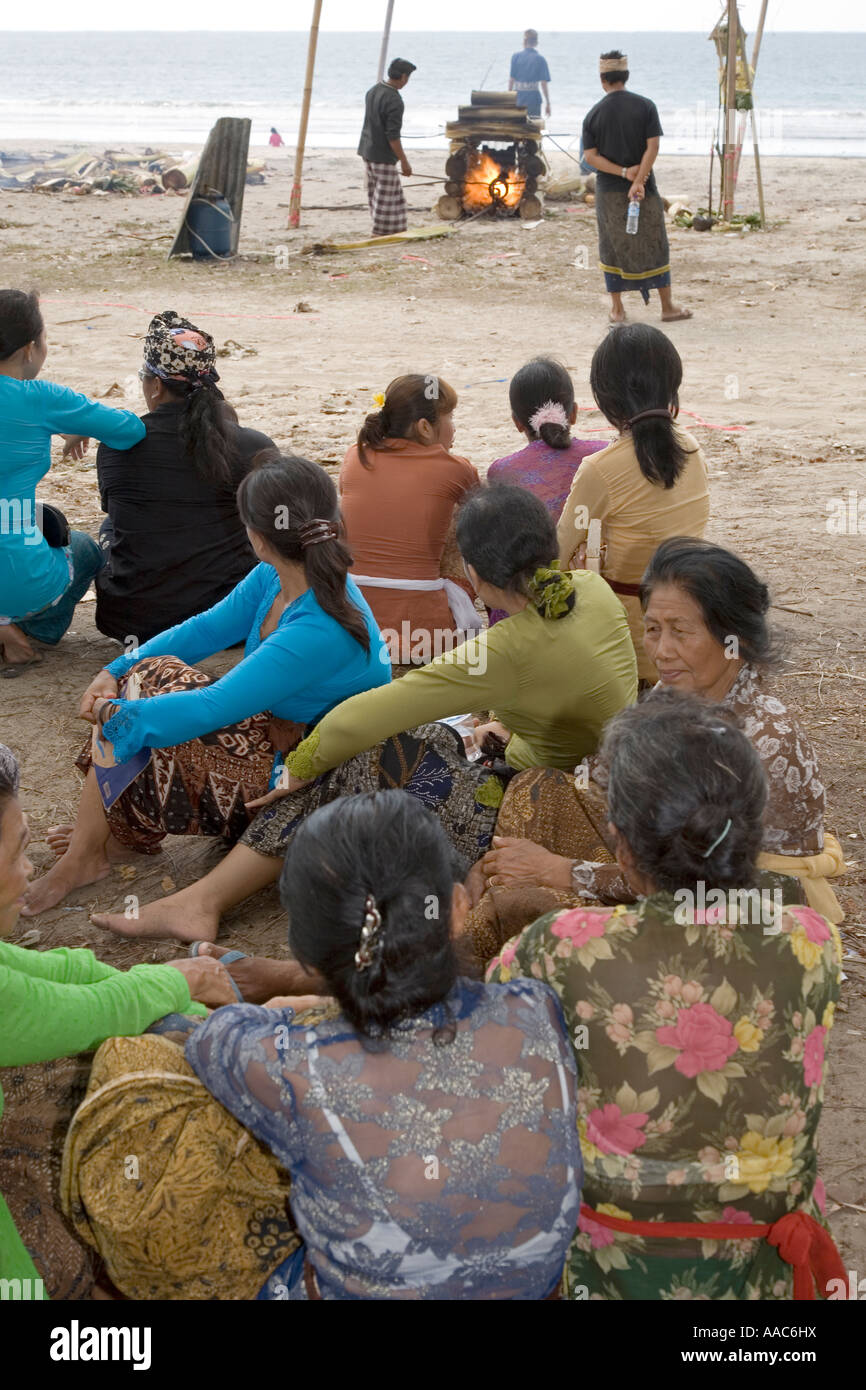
(621, 138)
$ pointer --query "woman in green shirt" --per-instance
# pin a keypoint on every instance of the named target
(54, 1003)
(554, 671)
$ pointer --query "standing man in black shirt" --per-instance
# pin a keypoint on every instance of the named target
(381, 150)
(621, 141)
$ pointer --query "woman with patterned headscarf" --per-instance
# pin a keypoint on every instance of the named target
(175, 542)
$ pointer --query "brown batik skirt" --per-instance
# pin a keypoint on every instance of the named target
(198, 787)
(545, 806)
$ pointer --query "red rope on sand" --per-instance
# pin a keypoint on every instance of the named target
(200, 313)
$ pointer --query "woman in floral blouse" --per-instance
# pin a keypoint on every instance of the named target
(699, 1017)
(706, 631)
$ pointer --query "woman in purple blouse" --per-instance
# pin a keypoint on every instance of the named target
(543, 408)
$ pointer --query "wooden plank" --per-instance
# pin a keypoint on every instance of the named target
(493, 98)
(457, 130)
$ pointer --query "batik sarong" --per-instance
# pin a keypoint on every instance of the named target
(632, 262)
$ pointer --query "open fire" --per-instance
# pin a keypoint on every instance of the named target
(490, 182)
(495, 161)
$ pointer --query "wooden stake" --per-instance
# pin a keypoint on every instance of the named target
(758, 178)
(386, 34)
(729, 154)
(295, 198)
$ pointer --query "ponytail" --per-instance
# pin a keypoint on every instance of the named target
(373, 434)
(659, 452)
(206, 432)
(279, 499)
(635, 377)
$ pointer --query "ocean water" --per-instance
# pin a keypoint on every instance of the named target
(168, 88)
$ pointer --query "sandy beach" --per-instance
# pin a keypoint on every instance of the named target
(775, 380)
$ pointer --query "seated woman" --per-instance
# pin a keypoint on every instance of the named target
(650, 483)
(700, 1015)
(543, 408)
(420, 1170)
(54, 1003)
(174, 541)
(399, 486)
(705, 613)
(555, 670)
(42, 577)
(310, 641)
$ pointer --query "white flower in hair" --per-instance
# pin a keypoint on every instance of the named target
(551, 413)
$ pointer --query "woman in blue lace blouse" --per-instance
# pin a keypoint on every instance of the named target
(215, 746)
(429, 1123)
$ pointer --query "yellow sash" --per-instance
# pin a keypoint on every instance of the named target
(813, 870)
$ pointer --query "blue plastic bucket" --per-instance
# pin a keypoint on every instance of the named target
(209, 222)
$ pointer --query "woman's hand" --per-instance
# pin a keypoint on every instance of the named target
(102, 711)
(75, 446)
(513, 860)
(208, 980)
(483, 730)
(102, 687)
(475, 883)
(287, 784)
(298, 1002)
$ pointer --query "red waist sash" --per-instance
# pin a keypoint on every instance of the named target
(801, 1241)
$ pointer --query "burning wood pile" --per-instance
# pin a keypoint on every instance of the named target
(495, 161)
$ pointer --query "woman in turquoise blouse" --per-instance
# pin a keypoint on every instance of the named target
(214, 746)
(54, 1003)
(40, 584)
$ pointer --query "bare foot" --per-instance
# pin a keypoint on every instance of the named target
(57, 838)
(675, 313)
(70, 872)
(181, 915)
(259, 978)
(16, 648)
(617, 318)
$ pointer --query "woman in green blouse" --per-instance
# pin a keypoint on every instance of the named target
(554, 671)
(54, 1003)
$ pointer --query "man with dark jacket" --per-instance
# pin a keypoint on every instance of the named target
(381, 150)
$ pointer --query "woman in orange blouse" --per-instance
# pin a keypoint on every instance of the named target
(399, 486)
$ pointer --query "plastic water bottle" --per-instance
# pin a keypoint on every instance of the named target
(633, 217)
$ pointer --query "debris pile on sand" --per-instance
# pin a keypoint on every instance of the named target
(111, 171)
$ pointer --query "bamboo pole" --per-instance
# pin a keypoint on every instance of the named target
(758, 178)
(386, 34)
(756, 48)
(295, 199)
(729, 154)
(759, 34)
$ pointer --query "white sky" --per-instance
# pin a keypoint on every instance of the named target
(354, 15)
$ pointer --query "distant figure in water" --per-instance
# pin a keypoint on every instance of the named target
(276, 138)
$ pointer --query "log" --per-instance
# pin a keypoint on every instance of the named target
(531, 208)
(455, 166)
(498, 130)
(453, 188)
(448, 208)
(534, 166)
(490, 113)
(493, 98)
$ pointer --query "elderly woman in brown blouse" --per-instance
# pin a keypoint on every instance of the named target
(706, 631)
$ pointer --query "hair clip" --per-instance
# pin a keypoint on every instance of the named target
(317, 530)
(718, 840)
(369, 934)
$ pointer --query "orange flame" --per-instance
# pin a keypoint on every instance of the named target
(488, 184)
